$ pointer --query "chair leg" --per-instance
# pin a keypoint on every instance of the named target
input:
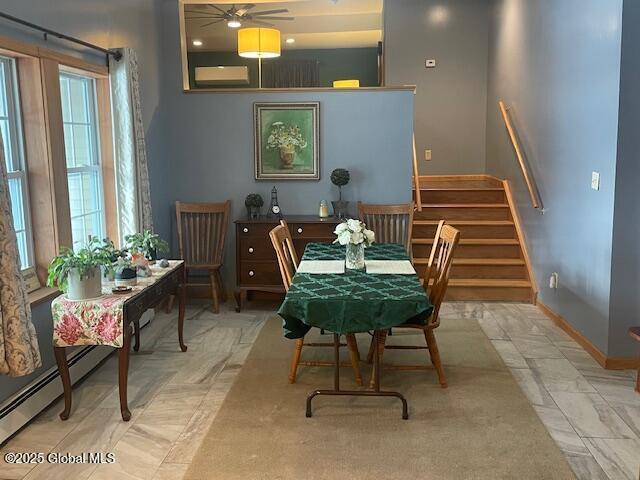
(352, 345)
(214, 291)
(371, 350)
(382, 338)
(295, 360)
(169, 305)
(223, 292)
(435, 356)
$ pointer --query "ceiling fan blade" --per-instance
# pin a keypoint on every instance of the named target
(258, 22)
(276, 18)
(217, 8)
(211, 23)
(270, 12)
(211, 17)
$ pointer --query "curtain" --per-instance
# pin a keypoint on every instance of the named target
(132, 174)
(19, 352)
(290, 73)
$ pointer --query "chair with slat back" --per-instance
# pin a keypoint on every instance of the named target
(288, 263)
(390, 223)
(202, 228)
(445, 243)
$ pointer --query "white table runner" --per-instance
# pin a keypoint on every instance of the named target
(320, 267)
(389, 267)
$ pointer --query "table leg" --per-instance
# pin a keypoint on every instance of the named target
(136, 330)
(63, 369)
(182, 300)
(123, 372)
(238, 294)
(638, 382)
(358, 393)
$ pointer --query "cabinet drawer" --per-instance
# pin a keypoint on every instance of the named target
(255, 229)
(256, 248)
(312, 230)
(260, 273)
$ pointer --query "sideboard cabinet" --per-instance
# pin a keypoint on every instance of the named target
(256, 263)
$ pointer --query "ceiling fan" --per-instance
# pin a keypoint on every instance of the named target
(234, 16)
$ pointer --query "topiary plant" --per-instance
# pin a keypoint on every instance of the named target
(253, 202)
(340, 177)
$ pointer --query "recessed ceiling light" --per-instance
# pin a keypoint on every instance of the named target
(290, 40)
(197, 43)
(234, 23)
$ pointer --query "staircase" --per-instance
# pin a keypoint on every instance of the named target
(490, 263)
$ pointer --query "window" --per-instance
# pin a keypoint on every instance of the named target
(82, 151)
(11, 127)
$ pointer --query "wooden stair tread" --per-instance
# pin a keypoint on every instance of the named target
(465, 205)
(460, 189)
(477, 261)
(489, 223)
(488, 282)
(472, 241)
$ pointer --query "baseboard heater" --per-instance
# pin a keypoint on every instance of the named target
(27, 403)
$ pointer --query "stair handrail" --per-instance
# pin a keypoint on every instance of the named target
(534, 194)
(416, 177)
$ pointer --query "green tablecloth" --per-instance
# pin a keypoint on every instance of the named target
(354, 301)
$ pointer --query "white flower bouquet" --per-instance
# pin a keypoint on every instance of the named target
(355, 236)
(354, 232)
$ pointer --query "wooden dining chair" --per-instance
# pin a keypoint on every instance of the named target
(444, 246)
(288, 263)
(202, 228)
(390, 223)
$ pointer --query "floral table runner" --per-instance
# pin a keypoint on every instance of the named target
(98, 321)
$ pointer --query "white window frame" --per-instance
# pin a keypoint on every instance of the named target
(95, 146)
(18, 150)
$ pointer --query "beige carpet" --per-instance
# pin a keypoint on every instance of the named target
(481, 427)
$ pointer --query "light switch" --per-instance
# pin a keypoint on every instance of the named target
(430, 63)
(595, 180)
(427, 155)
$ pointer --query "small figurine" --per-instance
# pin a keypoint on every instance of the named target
(142, 264)
(163, 263)
(274, 209)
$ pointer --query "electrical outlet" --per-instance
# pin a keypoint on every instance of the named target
(595, 180)
(431, 63)
(427, 155)
(553, 280)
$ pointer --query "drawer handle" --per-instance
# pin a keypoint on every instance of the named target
(250, 249)
(245, 230)
(251, 273)
(299, 229)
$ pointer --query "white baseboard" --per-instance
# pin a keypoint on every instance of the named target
(23, 406)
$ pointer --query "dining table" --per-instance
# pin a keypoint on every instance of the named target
(355, 301)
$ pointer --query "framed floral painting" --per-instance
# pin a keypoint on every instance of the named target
(287, 145)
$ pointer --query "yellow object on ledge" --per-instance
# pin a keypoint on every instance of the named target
(346, 84)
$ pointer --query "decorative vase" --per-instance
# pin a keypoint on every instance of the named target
(253, 213)
(355, 256)
(84, 287)
(127, 277)
(340, 208)
(152, 254)
(287, 154)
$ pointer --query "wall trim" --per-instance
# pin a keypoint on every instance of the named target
(610, 363)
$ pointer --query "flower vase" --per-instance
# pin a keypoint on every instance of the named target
(355, 256)
(287, 154)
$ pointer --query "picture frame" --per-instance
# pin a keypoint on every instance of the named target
(287, 141)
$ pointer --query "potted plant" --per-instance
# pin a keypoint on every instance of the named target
(253, 202)
(148, 243)
(287, 140)
(356, 237)
(340, 177)
(78, 273)
(125, 272)
(109, 250)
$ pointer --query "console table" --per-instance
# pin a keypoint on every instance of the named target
(256, 263)
(110, 319)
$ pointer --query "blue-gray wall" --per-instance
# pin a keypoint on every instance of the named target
(556, 63)
(114, 23)
(625, 266)
(210, 144)
(451, 99)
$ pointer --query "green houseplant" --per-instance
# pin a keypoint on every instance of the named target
(253, 202)
(110, 251)
(148, 243)
(340, 177)
(77, 273)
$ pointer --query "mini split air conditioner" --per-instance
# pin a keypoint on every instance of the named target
(222, 75)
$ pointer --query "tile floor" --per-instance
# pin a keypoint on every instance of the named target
(592, 414)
